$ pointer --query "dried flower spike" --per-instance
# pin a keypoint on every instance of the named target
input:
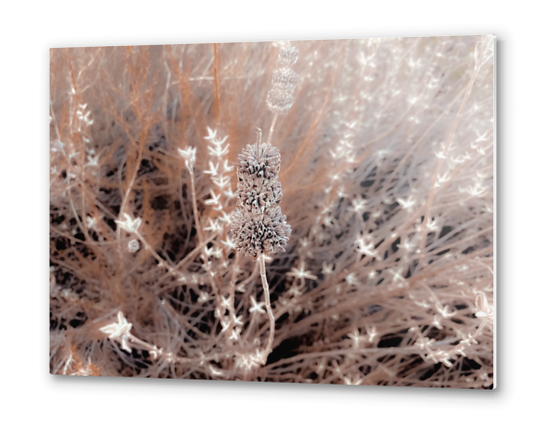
(258, 225)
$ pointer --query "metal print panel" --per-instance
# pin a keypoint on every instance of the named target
(305, 211)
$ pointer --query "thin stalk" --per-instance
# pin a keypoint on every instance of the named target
(232, 282)
(187, 258)
(431, 197)
(217, 85)
(156, 256)
(200, 233)
(258, 142)
(272, 128)
(269, 347)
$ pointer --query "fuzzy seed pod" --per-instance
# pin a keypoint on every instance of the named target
(258, 225)
(258, 170)
(279, 101)
(256, 234)
(257, 200)
(285, 78)
(288, 54)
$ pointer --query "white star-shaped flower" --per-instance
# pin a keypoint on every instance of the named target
(189, 155)
(229, 243)
(219, 151)
(129, 225)
(213, 171)
(212, 134)
(226, 167)
(408, 203)
(91, 222)
(365, 247)
(214, 199)
(301, 273)
(119, 331)
(256, 307)
(327, 269)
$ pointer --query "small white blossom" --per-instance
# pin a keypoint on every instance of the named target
(327, 269)
(229, 243)
(301, 273)
(219, 151)
(256, 307)
(235, 334)
(484, 310)
(355, 381)
(129, 225)
(226, 167)
(351, 279)
(408, 203)
(249, 361)
(213, 200)
(356, 338)
(221, 182)
(203, 297)
(212, 134)
(91, 222)
(213, 171)
(189, 155)
(372, 333)
(366, 248)
(214, 225)
(358, 204)
(119, 331)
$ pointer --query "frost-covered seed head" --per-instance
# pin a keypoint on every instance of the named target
(285, 78)
(279, 101)
(288, 54)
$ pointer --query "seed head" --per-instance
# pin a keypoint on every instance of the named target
(279, 101)
(288, 54)
(258, 170)
(285, 78)
(256, 200)
(258, 226)
(256, 234)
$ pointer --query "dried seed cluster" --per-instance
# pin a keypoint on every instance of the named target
(285, 78)
(280, 98)
(258, 224)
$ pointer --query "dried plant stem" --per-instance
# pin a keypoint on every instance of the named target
(272, 128)
(188, 257)
(269, 348)
(128, 190)
(258, 142)
(233, 275)
(217, 85)
(439, 165)
(155, 254)
(199, 231)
